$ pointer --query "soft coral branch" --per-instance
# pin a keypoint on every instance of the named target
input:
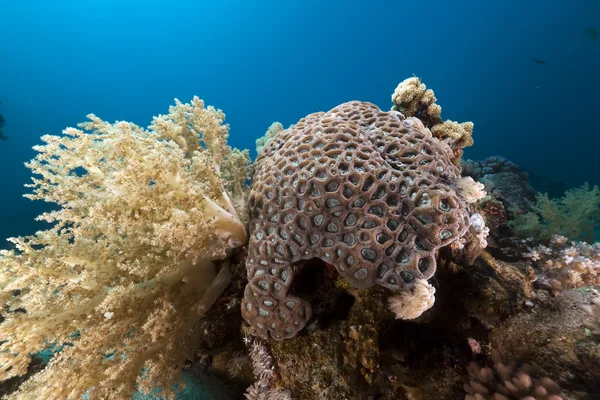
(129, 261)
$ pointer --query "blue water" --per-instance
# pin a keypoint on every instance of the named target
(262, 61)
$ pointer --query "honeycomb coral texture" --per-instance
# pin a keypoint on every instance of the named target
(371, 192)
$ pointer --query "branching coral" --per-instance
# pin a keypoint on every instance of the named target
(576, 216)
(507, 381)
(128, 263)
(565, 265)
(413, 99)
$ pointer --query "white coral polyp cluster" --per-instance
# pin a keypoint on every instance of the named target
(470, 190)
(566, 265)
(477, 226)
(262, 362)
(264, 372)
(128, 262)
(410, 304)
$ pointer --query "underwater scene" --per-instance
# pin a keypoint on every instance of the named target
(277, 200)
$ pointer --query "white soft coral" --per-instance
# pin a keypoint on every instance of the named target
(470, 190)
(410, 304)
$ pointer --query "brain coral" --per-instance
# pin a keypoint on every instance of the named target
(371, 192)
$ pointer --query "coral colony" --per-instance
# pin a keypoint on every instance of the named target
(359, 257)
(371, 192)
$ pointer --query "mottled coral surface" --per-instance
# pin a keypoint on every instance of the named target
(372, 193)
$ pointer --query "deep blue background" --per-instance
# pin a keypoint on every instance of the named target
(262, 61)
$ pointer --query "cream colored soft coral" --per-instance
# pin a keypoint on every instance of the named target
(128, 263)
(470, 190)
(413, 99)
(410, 304)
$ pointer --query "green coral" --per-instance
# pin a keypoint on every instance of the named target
(576, 216)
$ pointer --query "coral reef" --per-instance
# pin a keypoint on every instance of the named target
(507, 189)
(130, 264)
(413, 99)
(494, 214)
(559, 336)
(496, 288)
(359, 220)
(566, 265)
(371, 192)
(576, 216)
(503, 180)
(511, 189)
(355, 348)
(489, 166)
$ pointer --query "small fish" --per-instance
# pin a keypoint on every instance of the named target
(538, 61)
(399, 355)
(591, 33)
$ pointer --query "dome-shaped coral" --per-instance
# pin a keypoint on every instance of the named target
(371, 192)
